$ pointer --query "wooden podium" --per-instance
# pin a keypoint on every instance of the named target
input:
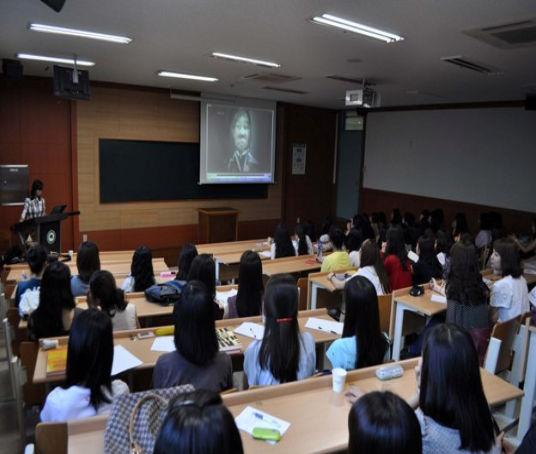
(218, 225)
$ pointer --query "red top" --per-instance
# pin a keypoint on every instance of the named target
(398, 278)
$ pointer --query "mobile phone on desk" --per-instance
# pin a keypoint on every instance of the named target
(260, 433)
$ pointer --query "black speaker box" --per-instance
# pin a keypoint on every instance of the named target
(12, 69)
(56, 5)
(530, 102)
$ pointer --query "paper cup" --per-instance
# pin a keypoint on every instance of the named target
(71, 254)
(339, 377)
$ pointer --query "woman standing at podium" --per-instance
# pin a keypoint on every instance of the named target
(34, 206)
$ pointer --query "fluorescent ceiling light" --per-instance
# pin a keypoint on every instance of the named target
(68, 61)
(245, 60)
(186, 76)
(80, 33)
(328, 19)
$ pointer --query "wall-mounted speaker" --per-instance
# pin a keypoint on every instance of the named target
(530, 102)
(12, 69)
(56, 5)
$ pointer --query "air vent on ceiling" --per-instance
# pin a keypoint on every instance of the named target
(287, 90)
(348, 79)
(473, 65)
(271, 78)
(507, 36)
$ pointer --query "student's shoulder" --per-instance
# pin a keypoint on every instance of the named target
(119, 387)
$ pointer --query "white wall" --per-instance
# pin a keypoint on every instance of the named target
(481, 156)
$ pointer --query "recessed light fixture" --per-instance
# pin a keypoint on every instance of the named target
(80, 33)
(68, 61)
(252, 61)
(354, 27)
(186, 76)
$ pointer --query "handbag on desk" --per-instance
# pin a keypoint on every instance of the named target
(135, 420)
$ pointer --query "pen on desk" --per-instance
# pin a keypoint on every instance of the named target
(252, 333)
(266, 419)
(331, 331)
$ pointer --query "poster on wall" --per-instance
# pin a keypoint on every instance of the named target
(299, 153)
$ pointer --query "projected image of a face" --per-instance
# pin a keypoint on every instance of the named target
(241, 131)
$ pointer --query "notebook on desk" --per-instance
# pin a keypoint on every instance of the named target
(57, 361)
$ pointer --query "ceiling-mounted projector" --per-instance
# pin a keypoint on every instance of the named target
(365, 97)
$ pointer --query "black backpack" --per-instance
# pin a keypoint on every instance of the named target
(165, 294)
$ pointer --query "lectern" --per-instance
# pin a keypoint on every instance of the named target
(218, 225)
(48, 230)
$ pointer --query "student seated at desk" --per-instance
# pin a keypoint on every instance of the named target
(338, 259)
(324, 235)
(89, 389)
(57, 310)
(284, 354)
(281, 244)
(395, 260)
(186, 257)
(362, 343)
(198, 422)
(354, 242)
(303, 243)
(248, 301)
(141, 275)
(530, 246)
(104, 293)
(203, 269)
(197, 359)
(509, 296)
(383, 423)
(37, 260)
(428, 266)
(87, 262)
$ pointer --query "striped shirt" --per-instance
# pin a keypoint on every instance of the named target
(33, 208)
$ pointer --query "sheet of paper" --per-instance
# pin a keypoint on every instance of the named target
(253, 330)
(441, 257)
(124, 360)
(324, 325)
(439, 298)
(266, 254)
(250, 418)
(163, 344)
(413, 257)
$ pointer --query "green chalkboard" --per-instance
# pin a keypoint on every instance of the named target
(141, 171)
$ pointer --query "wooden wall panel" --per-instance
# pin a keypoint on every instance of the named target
(375, 200)
(131, 114)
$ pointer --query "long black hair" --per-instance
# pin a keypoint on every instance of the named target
(464, 281)
(198, 422)
(90, 355)
(280, 348)
(283, 243)
(428, 255)
(383, 423)
(37, 185)
(302, 239)
(396, 246)
(142, 269)
(87, 260)
(250, 288)
(510, 261)
(195, 330)
(451, 391)
(370, 256)
(362, 320)
(54, 296)
(102, 287)
(203, 269)
(186, 257)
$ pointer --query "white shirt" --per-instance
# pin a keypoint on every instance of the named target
(370, 273)
(128, 284)
(126, 319)
(355, 258)
(73, 403)
(510, 296)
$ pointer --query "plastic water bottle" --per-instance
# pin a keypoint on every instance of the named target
(319, 248)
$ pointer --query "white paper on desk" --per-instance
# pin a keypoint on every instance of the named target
(124, 360)
(163, 344)
(529, 271)
(324, 325)
(248, 329)
(413, 257)
(439, 299)
(251, 417)
(266, 254)
(441, 258)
